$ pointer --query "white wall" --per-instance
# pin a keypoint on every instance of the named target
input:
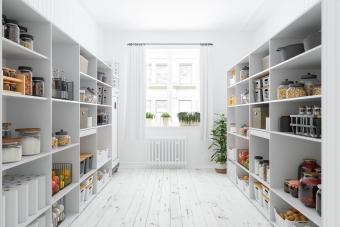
(227, 49)
(71, 17)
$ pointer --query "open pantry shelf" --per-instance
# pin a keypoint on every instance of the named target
(256, 107)
(13, 50)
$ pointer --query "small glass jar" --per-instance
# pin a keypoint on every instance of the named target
(308, 188)
(309, 81)
(6, 129)
(5, 71)
(28, 72)
(26, 40)
(12, 73)
(294, 188)
(257, 164)
(318, 200)
(11, 150)
(317, 89)
(307, 166)
(286, 185)
(54, 141)
(63, 138)
(30, 140)
(295, 90)
(38, 86)
(12, 30)
(6, 86)
(282, 89)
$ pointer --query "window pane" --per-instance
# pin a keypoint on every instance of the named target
(162, 74)
(161, 107)
(185, 73)
(149, 73)
(185, 106)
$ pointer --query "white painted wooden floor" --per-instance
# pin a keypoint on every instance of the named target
(170, 198)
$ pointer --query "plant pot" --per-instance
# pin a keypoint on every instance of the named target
(221, 167)
(149, 122)
(165, 121)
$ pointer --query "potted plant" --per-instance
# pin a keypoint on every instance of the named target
(219, 144)
(181, 118)
(165, 118)
(197, 118)
(149, 118)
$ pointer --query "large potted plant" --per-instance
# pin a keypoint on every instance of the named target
(149, 118)
(219, 144)
(165, 118)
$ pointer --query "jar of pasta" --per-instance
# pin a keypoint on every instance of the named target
(27, 72)
(295, 90)
(282, 89)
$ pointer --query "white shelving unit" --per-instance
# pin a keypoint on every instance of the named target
(55, 49)
(285, 151)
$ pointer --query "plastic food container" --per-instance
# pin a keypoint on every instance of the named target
(258, 192)
(290, 51)
(295, 90)
(244, 73)
(317, 89)
(265, 81)
(258, 95)
(265, 92)
(30, 140)
(282, 89)
(258, 83)
(26, 40)
(27, 72)
(12, 30)
(63, 138)
(11, 150)
(38, 86)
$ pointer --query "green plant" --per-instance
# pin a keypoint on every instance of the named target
(149, 115)
(165, 115)
(219, 140)
(188, 118)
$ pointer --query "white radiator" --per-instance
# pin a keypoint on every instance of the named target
(167, 152)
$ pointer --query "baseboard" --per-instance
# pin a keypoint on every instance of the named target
(141, 165)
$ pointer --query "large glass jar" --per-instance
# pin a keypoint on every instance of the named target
(12, 30)
(309, 81)
(317, 89)
(307, 166)
(30, 140)
(318, 200)
(26, 40)
(257, 164)
(282, 89)
(294, 188)
(63, 137)
(27, 71)
(6, 129)
(38, 86)
(295, 90)
(308, 188)
(244, 73)
(11, 150)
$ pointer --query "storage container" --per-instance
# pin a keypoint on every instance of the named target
(309, 80)
(84, 64)
(6, 129)
(282, 89)
(317, 89)
(63, 137)
(265, 92)
(244, 73)
(89, 192)
(12, 30)
(62, 175)
(295, 90)
(265, 62)
(312, 40)
(308, 165)
(11, 150)
(286, 185)
(28, 74)
(294, 188)
(30, 140)
(82, 194)
(265, 191)
(257, 164)
(38, 86)
(318, 200)
(265, 81)
(259, 115)
(258, 95)
(280, 222)
(290, 51)
(233, 128)
(258, 192)
(26, 40)
(258, 84)
(84, 112)
(232, 101)
(245, 97)
(265, 204)
(308, 188)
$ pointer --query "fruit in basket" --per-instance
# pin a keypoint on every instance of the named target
(56, 179)
(293, 215)
(55, 186)
(67, 173)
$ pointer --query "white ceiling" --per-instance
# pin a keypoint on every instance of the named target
(177, 15)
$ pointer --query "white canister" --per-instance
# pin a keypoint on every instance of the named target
(33, 195)
(11, 150)
(267, 123)
(30, 140)
(23, 196)
(89, 122)
(41, 191)
(11, 206)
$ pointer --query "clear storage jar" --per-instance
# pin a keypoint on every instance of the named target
(38, 86)
(317, 89)
(26, 40)
(244, 73)
(308, 187)
(28, 73)
(11, 150)
(295, 90)
(309, 80)
(12, 30)
(63, 137)
(30, 140)
(257, 164)
(282, 89)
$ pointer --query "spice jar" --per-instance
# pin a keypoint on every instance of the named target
(295, 90)
(26, 40)
(63, 138)
(263, 167)
(54, 141)
(309, 81)
(257, 164)
(6, 129)
(11, 150)
(282, 89)
(318, 200)
(12, 30)
(317, 89)
(307, 166)
(27, 71)
(38, 86)
(308, 188)
(30, 140)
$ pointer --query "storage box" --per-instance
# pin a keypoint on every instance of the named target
(258, 95)
(259, 115)
(265, 81)
(84, 113)
(84, 64)
(265, 93)
(265, 204)
(258, 192)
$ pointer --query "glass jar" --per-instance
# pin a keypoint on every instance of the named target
(82, 95)
(5, 71)
(318, 200)
(317, 89)
(27, 71)
(12, 86)
(22, 29)
(63, 138)
(294, 188)
(317, 111)
(295, 90)
(307, 166)
(6, 86)
(12, 30)
(263, 167)
(6, 129)
(38, 86)
(244, 73)
(30, 140)
(257, 164)
(26, 40)
(54, 141)
(282, 89)
(4, 27)
(308, 188)
(56, 87)
(12, 73)
(11, 150)
(309, 81)
(286, 185)
(268, 174)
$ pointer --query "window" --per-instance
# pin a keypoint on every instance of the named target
(173, 83)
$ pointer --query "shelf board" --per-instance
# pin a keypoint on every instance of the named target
(242, 167)
(239, 83)
(310, 213)
(103, 83)
(87, 76)
(239, 105)
(88, 131)
(13, 50)
(317, 140)
(88, 103)
(103, 105)
(259, 179)
(104, 126)
(103, 65)
(20, 96)
(259, 74)
(88, 174)
(100, 165)
(68, 220)
(63, 148)
(63, 192)
(24, 160)
(260, 133)
(305, 98)
(238, 135)
(308, 59)
(64, 101)
(259, 103)
(33, 217)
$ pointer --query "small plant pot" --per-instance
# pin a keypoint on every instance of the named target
(165, 121)
(221, 168)
(149, 122)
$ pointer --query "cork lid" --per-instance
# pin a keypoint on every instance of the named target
(27, 129)
(11, 140)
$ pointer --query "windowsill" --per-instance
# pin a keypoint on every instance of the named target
(172, 127)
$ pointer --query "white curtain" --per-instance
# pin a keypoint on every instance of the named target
(135, 93)
(206, 91)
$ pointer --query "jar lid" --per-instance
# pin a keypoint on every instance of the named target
(245, 68)
(258, 157)
(6, 125)
(27, 129)
(26, 36)
(296, 85)
(286, 82)
(38, 78)
(11, 21)
(266, 161)
(27, 68)
(22, 29)
(11, 140)
(61, 133)
(309, 76)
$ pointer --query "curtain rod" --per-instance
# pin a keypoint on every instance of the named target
(168, 44)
